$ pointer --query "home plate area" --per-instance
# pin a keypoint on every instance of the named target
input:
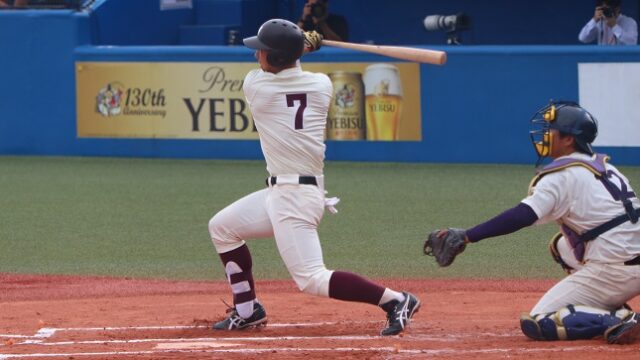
(198, 340)
(272, 341)
(49, 317)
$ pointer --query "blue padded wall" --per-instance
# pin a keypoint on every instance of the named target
(474, 109)
(137, 22)
(37, 90)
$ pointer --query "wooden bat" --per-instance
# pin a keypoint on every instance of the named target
(434, 57)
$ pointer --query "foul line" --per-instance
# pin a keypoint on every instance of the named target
(349, 349)
(45, 333)
(207, 339)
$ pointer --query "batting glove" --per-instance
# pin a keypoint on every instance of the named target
(312, 41)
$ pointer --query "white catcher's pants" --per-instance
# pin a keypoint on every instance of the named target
(291, 214)
(603, 286)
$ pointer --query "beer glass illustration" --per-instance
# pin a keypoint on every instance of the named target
(346, 114)
(383, 102)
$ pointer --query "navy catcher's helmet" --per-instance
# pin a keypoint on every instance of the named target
(568, 118)
(283, 40)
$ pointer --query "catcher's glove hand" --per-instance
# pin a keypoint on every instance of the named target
(445, 245)
(312, 41)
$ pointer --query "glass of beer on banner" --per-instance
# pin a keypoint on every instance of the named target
(383, 101)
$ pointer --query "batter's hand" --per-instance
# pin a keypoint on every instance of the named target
(312, 41)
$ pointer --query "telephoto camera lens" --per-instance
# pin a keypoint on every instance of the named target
(439, 22)
(460, 21)
(451, 24)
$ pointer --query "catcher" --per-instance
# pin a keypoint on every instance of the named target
(599, 240)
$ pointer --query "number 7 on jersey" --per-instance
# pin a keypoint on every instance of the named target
(302, 99)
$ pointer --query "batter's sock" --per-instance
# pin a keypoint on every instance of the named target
(351, 287)
(237, 265)
(389, 299)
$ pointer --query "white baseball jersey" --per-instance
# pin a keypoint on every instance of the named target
(575, 197)
(290, 112)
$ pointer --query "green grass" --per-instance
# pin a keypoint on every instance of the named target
(148, 217)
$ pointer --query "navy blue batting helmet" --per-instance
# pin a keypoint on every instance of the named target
(283, 40)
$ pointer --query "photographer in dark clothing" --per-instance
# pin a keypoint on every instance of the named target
(609, 26)
(316, 16)
(15, 4)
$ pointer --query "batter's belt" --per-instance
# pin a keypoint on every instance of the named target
(292, 180)
(634, 261)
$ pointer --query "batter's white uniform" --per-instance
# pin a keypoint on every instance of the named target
(575, 197)
(290, 111)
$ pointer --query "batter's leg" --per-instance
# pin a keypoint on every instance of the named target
(295, 220)
(242, 220)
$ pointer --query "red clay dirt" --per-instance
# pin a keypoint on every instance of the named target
(64, 317)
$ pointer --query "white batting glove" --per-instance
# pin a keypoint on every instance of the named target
(330, 204)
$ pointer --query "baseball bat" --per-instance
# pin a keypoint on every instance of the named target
(434, 57)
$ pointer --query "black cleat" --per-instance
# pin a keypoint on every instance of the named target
(399, 317)
(530, 327)
(236, 322)
(627, 332)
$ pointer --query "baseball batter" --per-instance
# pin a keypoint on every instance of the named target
(290, 107)
(599, 239)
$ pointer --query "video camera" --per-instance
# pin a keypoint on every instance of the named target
(450, 23)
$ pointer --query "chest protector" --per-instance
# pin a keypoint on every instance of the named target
(596, 165)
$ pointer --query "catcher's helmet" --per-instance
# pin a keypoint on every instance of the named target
(283, 40)
(567, 117)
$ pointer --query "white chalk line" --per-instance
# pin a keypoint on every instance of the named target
(44, 333)
(204, 340)
(432, 352)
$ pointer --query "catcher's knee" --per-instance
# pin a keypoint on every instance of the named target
(223, 239)
(570, 323)
(313, 282)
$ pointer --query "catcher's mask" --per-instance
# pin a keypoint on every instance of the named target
(283, 40)
(569, 119)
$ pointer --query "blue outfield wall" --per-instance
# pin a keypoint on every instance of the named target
(476, 108)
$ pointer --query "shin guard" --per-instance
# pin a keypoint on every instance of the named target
(571, 323)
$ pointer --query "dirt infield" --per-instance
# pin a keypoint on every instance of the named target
(56, 317)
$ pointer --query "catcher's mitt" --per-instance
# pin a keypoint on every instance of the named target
(312, 41)
(447, 246)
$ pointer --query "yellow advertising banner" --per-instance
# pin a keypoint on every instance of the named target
(372, 101)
